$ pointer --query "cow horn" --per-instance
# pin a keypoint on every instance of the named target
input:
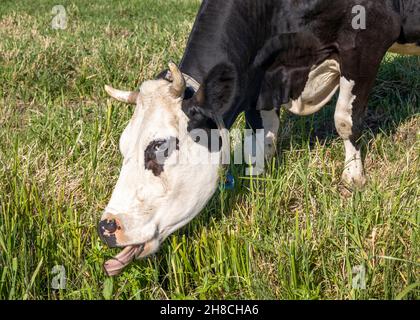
(178, 83)
(123, 96)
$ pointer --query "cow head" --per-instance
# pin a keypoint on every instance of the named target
(168, 173)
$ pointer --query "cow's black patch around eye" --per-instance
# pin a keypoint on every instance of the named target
(157, 152)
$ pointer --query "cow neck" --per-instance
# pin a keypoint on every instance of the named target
(224, 132)
(228, 32)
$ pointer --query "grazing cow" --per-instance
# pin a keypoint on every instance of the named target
(253, 57)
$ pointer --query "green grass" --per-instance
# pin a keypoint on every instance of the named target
(290, 234)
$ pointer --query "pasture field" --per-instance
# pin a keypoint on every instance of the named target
(292, 233)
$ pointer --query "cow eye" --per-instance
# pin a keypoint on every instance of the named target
(157, 152)
(160, 145)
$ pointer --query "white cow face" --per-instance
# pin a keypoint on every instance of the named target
(157, 192)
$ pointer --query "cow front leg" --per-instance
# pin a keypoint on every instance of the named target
(358, 68)
(270, 122)
(348, 121)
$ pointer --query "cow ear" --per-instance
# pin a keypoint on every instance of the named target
(214, 97)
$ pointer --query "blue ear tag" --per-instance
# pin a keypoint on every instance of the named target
(229, 183)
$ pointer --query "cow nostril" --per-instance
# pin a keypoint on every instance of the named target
(110, 225)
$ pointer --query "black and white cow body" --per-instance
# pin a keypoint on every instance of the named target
(251, 56)
(296, 54)
(274, 44)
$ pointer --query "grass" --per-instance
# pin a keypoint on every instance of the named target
(289, 234)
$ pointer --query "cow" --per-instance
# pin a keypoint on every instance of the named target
(252, 57)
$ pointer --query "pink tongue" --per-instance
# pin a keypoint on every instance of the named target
(115, 265)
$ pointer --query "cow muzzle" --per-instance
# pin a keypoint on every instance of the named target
(111, 232)
(108, 230)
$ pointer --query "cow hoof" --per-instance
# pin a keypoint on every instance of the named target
(269, 151)
(270, 146)
(354, 182)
